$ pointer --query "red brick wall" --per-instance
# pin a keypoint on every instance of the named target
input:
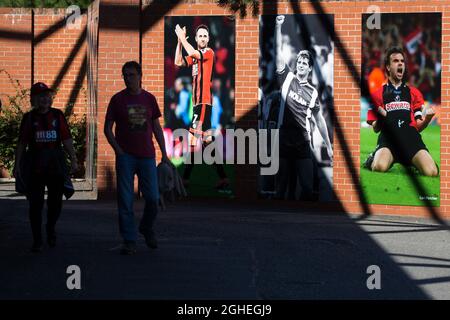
(15, 55)
(50, 54)
(122, 43)
(118, 43)
(58, 52)
(347, 21)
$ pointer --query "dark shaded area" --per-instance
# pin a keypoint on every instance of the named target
(236, 252)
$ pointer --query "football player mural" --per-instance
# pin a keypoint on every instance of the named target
(400, 104)
(296, 97)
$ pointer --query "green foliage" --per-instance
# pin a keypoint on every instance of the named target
(11, 115)
(10, 118)
(77, 125)
(241, 6)
(83, 4)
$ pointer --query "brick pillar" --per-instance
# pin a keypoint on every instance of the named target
(118, 43)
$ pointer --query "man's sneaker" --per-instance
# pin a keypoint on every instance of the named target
(368, 163)
(128, 248)
(36, 247)
(150, 239)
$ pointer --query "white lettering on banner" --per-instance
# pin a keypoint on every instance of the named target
(394, 106)
(293, 95)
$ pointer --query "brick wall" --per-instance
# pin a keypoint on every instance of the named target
(119, 41)
(15, 49)
(57, 60)
(347, 21)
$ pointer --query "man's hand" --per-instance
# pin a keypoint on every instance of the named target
(165, 159)
(180, 32)
(279, 20)
(429, 112)
(119, 151)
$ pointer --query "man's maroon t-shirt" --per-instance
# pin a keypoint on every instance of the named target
(134, 115)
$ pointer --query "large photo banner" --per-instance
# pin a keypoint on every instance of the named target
(199, 65)
(296, 98)
(400, 107)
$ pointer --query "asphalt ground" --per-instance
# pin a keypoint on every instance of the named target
(216, 251)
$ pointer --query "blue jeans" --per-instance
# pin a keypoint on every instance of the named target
(126, 167)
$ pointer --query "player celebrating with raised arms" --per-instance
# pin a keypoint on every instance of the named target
(398, 118)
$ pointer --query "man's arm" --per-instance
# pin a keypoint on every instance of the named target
(376, 112)
(323, 130)
(376, 126)
(179, 61)
(280, 63)
(424, 122)
(110, 137)
(159, 135)
(181, 34)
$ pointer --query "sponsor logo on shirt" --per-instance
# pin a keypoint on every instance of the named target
(394, 106)
(46, 136)
(296, 97)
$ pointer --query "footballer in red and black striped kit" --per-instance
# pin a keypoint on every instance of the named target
(202, 61)
(398, 117)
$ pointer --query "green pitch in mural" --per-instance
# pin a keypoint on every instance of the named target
(400, 132)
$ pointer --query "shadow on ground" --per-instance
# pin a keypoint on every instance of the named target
(225, 251)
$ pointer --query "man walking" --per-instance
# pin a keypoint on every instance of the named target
(135, 113)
